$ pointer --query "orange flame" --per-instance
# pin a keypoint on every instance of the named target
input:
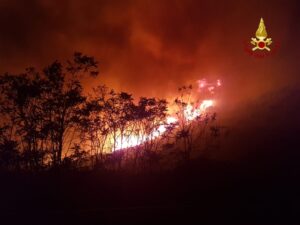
(190, 114)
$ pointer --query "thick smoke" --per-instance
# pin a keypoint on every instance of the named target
(152, 47)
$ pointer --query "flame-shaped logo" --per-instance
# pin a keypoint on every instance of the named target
(261, 42)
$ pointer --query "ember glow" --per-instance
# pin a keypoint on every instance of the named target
(203, 85)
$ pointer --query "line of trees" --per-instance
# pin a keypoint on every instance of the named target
(47, 121)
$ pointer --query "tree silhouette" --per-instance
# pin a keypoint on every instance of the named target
(41, 108)
(47, 121)
(21, 108)
(94, 125)
(63, 100)
(188, 130)
(9, 153)
(150, 114)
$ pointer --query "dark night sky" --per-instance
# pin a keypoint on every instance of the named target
(150, 47)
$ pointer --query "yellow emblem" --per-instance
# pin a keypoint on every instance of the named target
(261, 41)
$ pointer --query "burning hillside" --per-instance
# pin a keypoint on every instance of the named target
(50, 120)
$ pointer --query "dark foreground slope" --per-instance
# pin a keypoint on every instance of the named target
(213, 192)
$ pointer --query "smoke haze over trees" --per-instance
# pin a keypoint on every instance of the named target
(48, 121)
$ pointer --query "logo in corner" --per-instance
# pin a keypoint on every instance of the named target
(260, 46)
(261, 42)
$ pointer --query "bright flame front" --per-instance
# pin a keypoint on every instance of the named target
(190, 113)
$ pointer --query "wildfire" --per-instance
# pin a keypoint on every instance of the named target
(190, 114)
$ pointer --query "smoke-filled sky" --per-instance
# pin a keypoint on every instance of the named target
(150, 47)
